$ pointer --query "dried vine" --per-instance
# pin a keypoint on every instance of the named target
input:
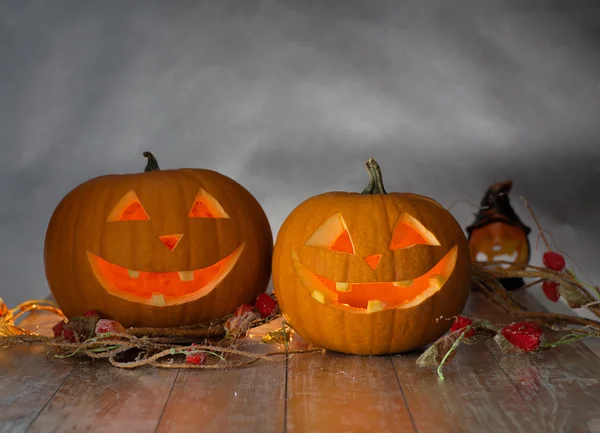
(207, 346)
(526, 336)
(486, 281)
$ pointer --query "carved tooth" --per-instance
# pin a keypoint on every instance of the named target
(186, 275)
(374, 305)
(342, 287)
(437, 281)
(403, 283)
(318, 296)
(158, 300)
(133, 274)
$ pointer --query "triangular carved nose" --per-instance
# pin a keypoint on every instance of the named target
(373, 260)
(170, 241)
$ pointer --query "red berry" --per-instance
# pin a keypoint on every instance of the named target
(69, 335)
(527, 336)
(243, 309)
(58, 329)
(550, 289)
(106, 325)
(242, 319)
(91, 313)
(265, 305)
(460, 323)
(553, 260)
(197, 358)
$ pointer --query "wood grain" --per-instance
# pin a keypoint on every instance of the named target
(476, 395)
(249, 399)
(484, 391)
(560, 385)
(331, 392)
(98, 397)
(28, 381)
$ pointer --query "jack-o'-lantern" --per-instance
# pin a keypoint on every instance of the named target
(497, 234)
(159, 248)
(371, 273)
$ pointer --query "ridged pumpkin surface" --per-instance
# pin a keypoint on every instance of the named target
(86, 256)
(370, 220)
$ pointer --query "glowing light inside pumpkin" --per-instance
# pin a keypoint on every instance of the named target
(357, 296)
(498, 241)
(409, 232)
(171, 241)
(206, 206)
(161, 288)
(332, 234)
(128, 208)
(373, 260)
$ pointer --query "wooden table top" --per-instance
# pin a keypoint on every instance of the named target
(484, 391)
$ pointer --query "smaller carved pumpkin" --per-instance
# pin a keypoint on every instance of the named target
(497, 234)
(371, 273)
(160, 248)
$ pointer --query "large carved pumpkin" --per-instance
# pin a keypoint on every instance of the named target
(159, 248)
(371, 273)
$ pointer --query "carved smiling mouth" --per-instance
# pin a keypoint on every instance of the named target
(376, 296)
(161, 289)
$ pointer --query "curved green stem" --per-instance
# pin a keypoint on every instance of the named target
(152, 164)
(566, 339)
(451, 350)
(375, 185)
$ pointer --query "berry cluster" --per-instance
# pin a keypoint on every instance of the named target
(524, 336)
(555, 262)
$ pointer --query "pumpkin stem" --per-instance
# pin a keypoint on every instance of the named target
(375, 185)
(152, 162)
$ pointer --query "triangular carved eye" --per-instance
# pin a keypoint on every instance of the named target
(332, 234)
(129, 208)
(206, 206)
(409, 232)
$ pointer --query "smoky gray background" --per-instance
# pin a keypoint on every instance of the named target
(291, 97)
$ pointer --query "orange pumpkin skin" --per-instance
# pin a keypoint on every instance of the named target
(369, 220)
(79, 235)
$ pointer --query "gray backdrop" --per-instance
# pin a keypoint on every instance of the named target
(291, 97)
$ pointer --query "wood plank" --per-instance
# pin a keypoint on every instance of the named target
(475, 396)
(74, 395)
(332, 392)
(560, 385)
(28, 380)
(251, 399)
(484, 390)
(101, 398)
